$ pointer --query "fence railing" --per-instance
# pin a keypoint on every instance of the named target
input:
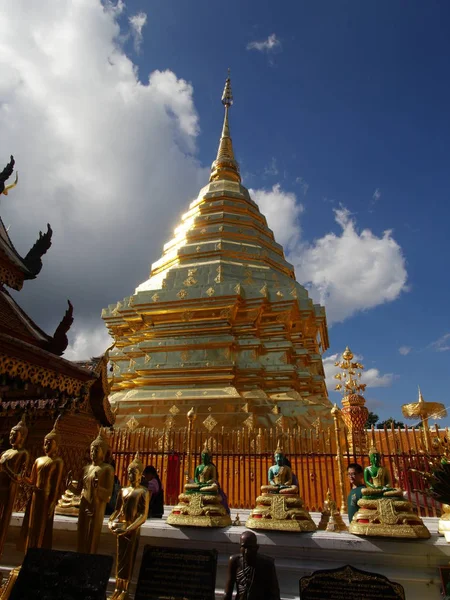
(318, 457)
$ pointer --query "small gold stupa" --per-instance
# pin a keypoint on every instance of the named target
(221, 324)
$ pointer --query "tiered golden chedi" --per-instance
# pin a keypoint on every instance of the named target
(280, 507)
(221, 324)
(383, 511)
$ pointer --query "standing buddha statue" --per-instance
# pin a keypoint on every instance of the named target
(383, 511)
(125, 523)
(45, 483)
(13, 462)
(98, 481)
(279, 507)
(201, 503)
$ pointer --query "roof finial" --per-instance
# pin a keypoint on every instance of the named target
(225, 165)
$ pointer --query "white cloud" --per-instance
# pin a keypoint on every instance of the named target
(371, 377)
(282, 212)
(99, 153)
(404, 350)
(353, 271)
(137, 23)
(442, 344)
(87, 342)
(272, 168)
(270, 45)
(376, 195)
(303, 184)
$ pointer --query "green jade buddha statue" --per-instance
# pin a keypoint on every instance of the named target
(279, 507)
(205, 476)
(280, 477)
(377, 477)
(200, 505)
(383, 511)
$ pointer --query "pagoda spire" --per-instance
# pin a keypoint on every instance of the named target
(225, 166)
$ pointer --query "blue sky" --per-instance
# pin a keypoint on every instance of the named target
(347, 108)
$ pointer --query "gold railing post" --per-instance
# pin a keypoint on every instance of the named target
(191, 418)
(336, 415)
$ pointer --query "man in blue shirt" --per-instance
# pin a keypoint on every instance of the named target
(355, 474)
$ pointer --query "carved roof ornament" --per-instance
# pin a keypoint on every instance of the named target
(5, 175)
(225, 166)
(350, 377)
(59, 341)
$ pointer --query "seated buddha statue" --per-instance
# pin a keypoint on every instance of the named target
(377, 478)
(280, 477)
(280, 507)
(383, 511)
(69, 503)
(200, 504)
(205, 476)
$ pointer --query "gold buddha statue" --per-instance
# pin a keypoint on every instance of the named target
(383, 511)
(125, 523)
(201, 504)
(69, 503)
(98, 481)
(280, 507)
(331, 518)
(45, 483)
(13, 463)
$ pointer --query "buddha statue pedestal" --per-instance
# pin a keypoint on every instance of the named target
(387, 514)
(69, 503)
(201, 503)
(199, 510)
(280, 512)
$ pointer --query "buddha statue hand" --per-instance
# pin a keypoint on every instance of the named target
(95, 481)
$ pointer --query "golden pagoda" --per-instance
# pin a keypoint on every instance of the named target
(221, 324)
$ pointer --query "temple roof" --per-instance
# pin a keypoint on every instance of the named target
(30, 363)
(14, 269)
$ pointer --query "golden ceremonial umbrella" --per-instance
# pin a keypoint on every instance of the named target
(424, 410)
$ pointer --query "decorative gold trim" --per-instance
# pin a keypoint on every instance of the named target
(41, 376)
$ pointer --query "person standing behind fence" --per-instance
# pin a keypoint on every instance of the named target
(150, 478)
(355, 474)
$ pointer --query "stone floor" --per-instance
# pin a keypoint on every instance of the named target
(413, 564)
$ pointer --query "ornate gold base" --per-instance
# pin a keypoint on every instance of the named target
(6, 590)
(280, 525)
(389, 516)
(198, 510)
(201, 521)
(332, 523)
(280, 513)
(392, 531)
(71, 511)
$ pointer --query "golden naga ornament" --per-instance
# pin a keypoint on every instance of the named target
(279, 507)
(383, 511)
(202, 503)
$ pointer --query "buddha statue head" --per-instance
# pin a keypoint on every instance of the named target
(18, 434)
(279, 456)
(206, 454)
(99, 449)
(52, 440)
(135, 470)
(374, 457)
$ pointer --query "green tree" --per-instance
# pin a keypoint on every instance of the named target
(372, 419)
(389, 423)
